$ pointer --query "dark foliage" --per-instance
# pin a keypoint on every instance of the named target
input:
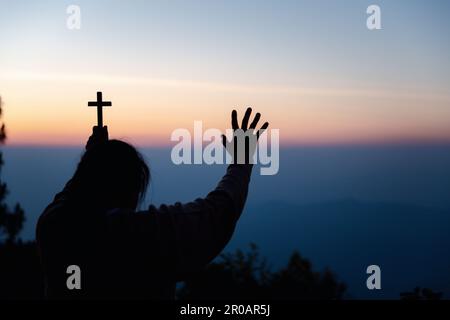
(20, 272)
(20, 275)
(421, 294)
(246, 276)
(11, 221)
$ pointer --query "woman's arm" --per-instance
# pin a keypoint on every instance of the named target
(196, 232)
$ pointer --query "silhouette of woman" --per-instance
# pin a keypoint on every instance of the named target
(121, 253)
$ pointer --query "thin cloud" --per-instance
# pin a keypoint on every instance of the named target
(209, 86)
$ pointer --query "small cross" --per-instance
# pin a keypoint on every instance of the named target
(99, 104)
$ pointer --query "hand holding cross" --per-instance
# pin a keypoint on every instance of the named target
(99, 104)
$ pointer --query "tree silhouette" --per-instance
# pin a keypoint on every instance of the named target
(246, 276)
(20, 272)
(11, 221)
(421, 294)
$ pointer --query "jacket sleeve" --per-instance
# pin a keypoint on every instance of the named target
(197, 232)
(186, 236)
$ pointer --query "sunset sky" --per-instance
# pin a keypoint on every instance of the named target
(312, 68)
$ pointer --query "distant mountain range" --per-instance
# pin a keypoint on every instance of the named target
(410, 243)
(406, 230)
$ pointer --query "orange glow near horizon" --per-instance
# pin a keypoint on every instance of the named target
(54, 111)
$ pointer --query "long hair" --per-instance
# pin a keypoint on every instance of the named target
(109, 174)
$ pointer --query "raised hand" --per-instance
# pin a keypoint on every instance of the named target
(243, 145)
(99, 135)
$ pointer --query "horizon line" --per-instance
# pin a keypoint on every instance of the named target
(284, 145)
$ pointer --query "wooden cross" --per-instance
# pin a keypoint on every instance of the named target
(99, 104)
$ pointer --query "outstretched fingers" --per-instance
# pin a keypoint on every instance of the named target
(224, 141)
(262, 129)
(255, 121)
(246, 118)
(234, 120)
(245, 121)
